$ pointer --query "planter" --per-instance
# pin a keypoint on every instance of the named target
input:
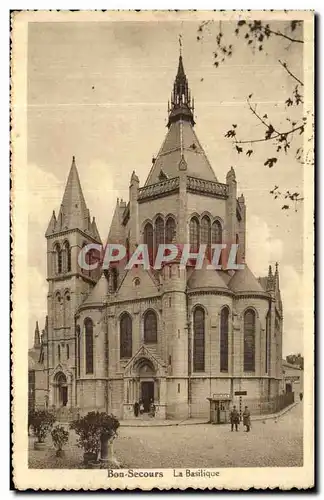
(39, 446)
(107, 450)
(89, 457)
(60, 453)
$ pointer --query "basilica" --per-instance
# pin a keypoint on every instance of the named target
(176, 336)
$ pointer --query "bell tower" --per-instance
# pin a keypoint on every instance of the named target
(68, 284)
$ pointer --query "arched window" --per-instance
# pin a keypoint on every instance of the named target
(58, 259)
(205, 230)
(159, 232)
(237, 258)
(216, 232)
(199, 340)
(150, 327)
(224, 340)
(67, 257)
(89, 345)
(126, 349)
(67, 351)
(114, 279)
(148, 240)
(67, 309)
(127, 249)
(194, 234)
(78, 335)
(249, 341)
(170, 230)
(267, 343)
(58, 310)
(59, 353)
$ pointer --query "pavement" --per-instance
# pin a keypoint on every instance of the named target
(146, 421)
(272, 442)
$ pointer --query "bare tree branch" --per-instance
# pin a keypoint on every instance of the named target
(284, 65)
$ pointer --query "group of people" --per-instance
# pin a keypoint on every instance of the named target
(235, 419)
(139, 408)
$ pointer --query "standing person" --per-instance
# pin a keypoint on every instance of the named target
(301, 396)
(152, 408)
(247, 419)
(136, 408)
(235, 419)
(141, 407)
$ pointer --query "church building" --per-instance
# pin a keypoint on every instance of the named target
(175, 336)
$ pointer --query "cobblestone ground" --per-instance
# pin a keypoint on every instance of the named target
(270, 443)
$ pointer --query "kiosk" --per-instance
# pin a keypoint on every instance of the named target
(220, 408)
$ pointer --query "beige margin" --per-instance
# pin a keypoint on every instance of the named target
(236, 478)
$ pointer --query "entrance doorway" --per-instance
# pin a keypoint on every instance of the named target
(62, 390)
(288, 388)
(147, 394)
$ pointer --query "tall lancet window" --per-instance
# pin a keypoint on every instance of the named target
(150, 327)
(199, 340)
(170, 230)
(78, 339)
(88, 345)
(249, 341)
(57, 259)
(148, 240)
(224, 340)
(216, 232)
(194, 234)
(125, 336)
(205, 233)
(159, 233)
(67, 257)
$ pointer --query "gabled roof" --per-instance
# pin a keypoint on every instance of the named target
(98, 294)
(181, 142)
(244, 281)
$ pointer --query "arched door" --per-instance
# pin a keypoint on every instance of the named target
(61, 390)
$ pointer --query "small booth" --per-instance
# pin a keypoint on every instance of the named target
(220, 408)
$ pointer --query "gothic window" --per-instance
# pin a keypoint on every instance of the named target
(150, 327)
(126, 349)
(267, 344)
(199, 340)
(224, 340)
(216, 232)
(170, 230)
(159, 232)
(67, 309)
(67, 351)
(205, 230)
(237, 241)
(148, 240)
(67, 257)
(89, 345)
(249, 341)
(127, 249)
(58, 310)
(78, 332)
(114, 279)
(59, 353)
(58, 259)
(194, 234)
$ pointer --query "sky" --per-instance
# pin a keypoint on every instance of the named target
(99, 91)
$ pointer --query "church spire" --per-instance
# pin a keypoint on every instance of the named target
(74, 213)
(182, 107)
(36, 337)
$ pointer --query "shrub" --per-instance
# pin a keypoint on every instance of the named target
(59, 437)
(42, 422)
(92, 428)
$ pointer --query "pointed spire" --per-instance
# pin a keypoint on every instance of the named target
(73, 213)
(181, 104)
(230, 175)
(36, 337)
(52, 225)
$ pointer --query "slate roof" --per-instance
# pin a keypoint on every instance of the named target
(244, 281)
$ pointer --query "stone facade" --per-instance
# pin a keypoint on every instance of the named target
(88, 359)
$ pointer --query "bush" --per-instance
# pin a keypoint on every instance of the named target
(59, 437)
(42, 422)
(92, 428)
